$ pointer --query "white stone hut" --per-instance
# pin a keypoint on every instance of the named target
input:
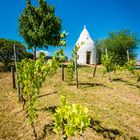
(87, 50)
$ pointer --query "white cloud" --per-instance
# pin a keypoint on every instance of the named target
(46, 53)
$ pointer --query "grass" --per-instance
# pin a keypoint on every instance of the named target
(114, 107)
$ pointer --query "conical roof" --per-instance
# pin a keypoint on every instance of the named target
(84, 37)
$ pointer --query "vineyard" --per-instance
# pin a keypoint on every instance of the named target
(86, 91)
(113, 107)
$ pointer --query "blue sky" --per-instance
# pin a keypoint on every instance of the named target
(99, 16)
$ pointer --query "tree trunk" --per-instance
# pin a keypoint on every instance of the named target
(34, 49)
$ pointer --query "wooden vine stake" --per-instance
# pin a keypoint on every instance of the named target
(76, 69)
(96, 63)
(94, 72)
(62, 66)
(13, 77)
(109, 78)
(128, 57)
(76, 73)
(18, 86)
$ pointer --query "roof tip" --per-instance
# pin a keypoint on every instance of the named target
(84, 26)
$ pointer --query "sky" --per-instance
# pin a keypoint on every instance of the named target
(99, 16)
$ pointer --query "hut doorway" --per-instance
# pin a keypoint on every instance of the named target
(88, 56)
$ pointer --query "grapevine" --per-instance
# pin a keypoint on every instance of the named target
(31, 77)
(72, 66)
(70, 120)
(108, 65)
(130, 66)
(70, 71)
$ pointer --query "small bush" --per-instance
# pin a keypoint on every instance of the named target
(70, 120)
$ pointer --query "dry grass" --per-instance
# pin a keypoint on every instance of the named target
(113, 106)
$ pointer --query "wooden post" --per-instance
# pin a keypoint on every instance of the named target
(106, 53)
(128, 57)
(34, 57)
(76, 74)
(109, 78)
(34, 131)
(13, 77)
(115, 67)
(76, 70)
(94, 72)
(62, 66)
(18, 86)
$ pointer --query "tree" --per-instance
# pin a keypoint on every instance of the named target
(118, 43)
(7, 52)
(40, 27)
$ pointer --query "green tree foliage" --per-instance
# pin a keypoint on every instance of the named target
(118, 43)
(7, 51)
(40, 27)
(70, 120)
